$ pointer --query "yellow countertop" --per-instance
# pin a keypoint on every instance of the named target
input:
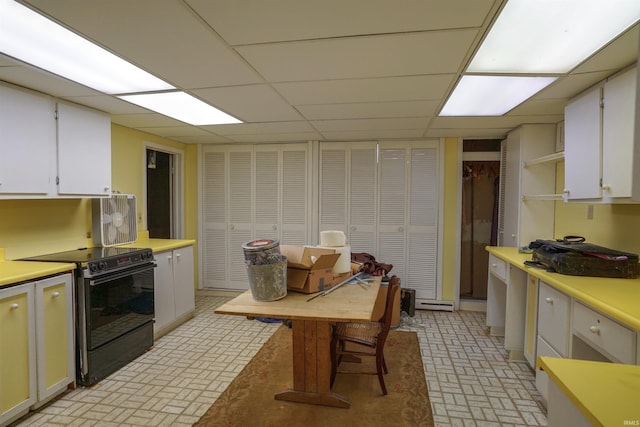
(617, 298)
(23, 271)
(159, 245)
(607, 394)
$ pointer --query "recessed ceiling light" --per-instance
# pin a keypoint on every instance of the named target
(551, 36)
(491, 95)
(181, 106)
(31, 38)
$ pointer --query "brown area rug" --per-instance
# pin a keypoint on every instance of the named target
(249, 401)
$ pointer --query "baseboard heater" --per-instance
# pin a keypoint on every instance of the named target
(434, 305)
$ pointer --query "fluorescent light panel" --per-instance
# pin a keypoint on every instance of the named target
(491, 95)
(181, 106)
(551, 36)
(36, 40)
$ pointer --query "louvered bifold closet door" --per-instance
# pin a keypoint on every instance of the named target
(267, 217)
(422, 221)
(295, 224)
(240, 209)
(251, 192)
(392, 205)
(409, 183)
(348, 192)
(214, 244)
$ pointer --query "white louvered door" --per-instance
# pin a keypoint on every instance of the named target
(251, 192)
(386, 197)
(348, 192)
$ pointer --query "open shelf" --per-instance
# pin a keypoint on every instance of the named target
(555, 157)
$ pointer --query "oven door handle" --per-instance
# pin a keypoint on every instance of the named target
(120, 274)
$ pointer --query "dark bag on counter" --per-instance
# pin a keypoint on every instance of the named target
(574, 257)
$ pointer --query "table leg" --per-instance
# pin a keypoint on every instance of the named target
(312, 366)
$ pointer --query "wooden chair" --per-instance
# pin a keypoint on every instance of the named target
(372, 335)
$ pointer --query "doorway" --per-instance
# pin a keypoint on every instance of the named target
(480, 184)
(162, 186)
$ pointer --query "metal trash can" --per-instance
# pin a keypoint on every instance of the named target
(262, 251)
(268, 282)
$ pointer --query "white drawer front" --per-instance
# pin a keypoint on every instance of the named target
(553, 318)
(604, 334)
(498, 267)
(542, 379)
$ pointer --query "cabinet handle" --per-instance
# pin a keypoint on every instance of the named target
(275, 227)
(594, 330)
(606, 187)
(494, 265)
(14, 306)
(178, 256)
(56, 294)
(106, 189)
(548, 300)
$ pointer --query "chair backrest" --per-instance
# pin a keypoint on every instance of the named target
(393, 292)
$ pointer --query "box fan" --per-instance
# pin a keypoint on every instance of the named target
(114, 220)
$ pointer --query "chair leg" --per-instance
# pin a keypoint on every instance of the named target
(384, 364)
(379, 369)
(334, 360)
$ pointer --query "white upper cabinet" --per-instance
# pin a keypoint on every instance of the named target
(600, 144)
(84, 151)
(27, 143)
(43, 157)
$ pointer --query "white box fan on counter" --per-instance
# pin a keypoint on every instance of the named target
(114, 220)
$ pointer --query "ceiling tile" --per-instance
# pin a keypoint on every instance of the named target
(256, 103)
(361, 135)
(258, 128)
(425, 87)
(373, 56)
(370, 124)
(242, 22)
(369, 110)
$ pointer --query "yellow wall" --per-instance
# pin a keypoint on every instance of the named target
(614, 226)
(451, 225)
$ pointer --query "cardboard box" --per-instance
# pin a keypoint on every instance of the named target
(309, 269)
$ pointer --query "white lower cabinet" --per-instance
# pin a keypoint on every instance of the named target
(36, 323)
(553, 330)
(174, 289)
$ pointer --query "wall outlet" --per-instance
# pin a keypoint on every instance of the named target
(88, 234)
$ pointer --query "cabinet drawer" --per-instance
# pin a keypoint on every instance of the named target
(553, 318)
(498, 267)
(604, 334)
(542, 379)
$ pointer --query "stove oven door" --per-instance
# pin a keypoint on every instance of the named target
(115, 319)
(117, 303)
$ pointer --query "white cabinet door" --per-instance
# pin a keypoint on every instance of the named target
(163, 297)
(84, 151)
(54, 334)
(18, 360)
(183, 276)
(618, 123)
(27, 144)
(582, 161)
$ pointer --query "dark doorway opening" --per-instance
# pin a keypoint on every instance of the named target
(160, 170)
(480, 183)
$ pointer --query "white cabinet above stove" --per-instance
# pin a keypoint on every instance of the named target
(45, 157)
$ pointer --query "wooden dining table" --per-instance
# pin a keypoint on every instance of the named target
(311, 333)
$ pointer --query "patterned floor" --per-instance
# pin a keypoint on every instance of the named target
(470, 382)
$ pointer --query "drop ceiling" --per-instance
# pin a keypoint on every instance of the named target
(291, 70)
